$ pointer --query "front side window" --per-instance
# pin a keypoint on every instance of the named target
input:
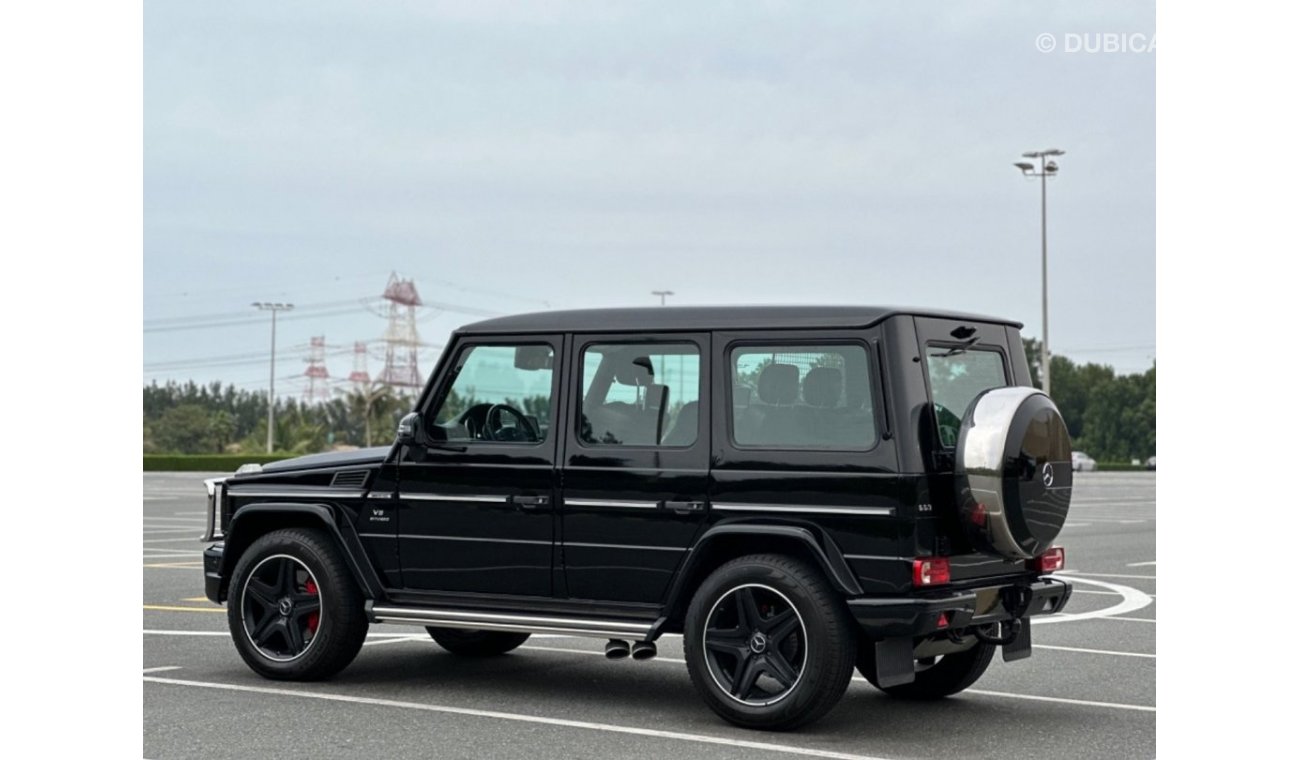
(500, 393)
(802, 397)
(643, 394)
(957, 376)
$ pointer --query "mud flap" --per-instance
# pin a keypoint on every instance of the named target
(1021, 646)
(894, 663)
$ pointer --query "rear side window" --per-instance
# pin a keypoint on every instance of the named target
(643, 394)
(802, 397)
(957, 376)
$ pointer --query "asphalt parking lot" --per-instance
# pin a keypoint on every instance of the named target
(1088, 691)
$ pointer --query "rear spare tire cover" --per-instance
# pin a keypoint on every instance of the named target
(1013, 472)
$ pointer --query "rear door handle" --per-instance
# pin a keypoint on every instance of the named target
(530, 503)
(684, 507)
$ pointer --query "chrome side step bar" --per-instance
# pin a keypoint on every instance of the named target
(492, 621)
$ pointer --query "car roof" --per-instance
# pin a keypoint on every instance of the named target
(685, 318)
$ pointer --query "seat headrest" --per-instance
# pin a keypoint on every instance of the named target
(636, 371)
(822, 386)
(778, 384)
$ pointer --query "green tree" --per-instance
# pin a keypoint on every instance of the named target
(222, 426)
(183, 429)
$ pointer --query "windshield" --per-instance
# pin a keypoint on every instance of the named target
(957, 376)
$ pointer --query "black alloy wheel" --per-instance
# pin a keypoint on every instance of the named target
(282, 608)
(769, 644)
(755, 645)
(295, 611)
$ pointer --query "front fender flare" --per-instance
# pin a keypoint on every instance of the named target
(342, 530)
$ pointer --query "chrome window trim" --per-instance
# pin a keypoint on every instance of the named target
(586, 545)
(430, 537)
(612, 503)
(493, 499)
(307, 491)
(732, 506)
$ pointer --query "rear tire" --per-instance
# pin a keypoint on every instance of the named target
(769, 644)
(476, 643)
(950, 674)
(295, 611)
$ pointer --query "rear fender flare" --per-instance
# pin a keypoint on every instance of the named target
(822, 548)
(244, 529)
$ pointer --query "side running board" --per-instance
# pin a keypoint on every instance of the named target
(493, 621)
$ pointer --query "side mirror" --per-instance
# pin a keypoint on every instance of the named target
(409, 430)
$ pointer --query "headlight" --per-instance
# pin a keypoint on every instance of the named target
(215, 488)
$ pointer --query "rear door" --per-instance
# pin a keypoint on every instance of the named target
(636, 463)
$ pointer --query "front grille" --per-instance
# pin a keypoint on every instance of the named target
(350, 479)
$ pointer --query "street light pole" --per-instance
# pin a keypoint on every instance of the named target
(1045, 169)
(274, 308)
(663, 296)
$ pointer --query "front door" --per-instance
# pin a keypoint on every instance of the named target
(477, 504)
(636, 463)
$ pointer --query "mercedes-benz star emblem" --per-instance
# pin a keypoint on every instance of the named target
(1048, 476)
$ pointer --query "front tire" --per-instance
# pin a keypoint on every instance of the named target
(476, 643)
(295, 611)
(947, 675)
(769, 645)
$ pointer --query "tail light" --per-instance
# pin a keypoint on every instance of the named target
(1050, 561)
(932, 571)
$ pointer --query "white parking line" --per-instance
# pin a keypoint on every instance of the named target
(1152, 563)
(1064, 700)
(191, 539)
(396, 640)
(158, 632)
(1131, 619)
(516, 717)
(162, 668)
(1132, 601)
(1095, 651)
(1072, 573)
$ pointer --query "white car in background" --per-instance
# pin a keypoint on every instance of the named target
(1081, 462)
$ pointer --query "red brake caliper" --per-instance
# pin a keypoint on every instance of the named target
(313, 620)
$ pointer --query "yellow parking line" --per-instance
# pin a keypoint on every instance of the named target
(164, 608)
(196, 599)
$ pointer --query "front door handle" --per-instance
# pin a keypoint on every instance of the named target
(530, 503)
(684, 507)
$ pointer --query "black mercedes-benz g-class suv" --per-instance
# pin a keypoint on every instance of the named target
(797, 491)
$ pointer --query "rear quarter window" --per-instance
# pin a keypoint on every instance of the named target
(802, 396)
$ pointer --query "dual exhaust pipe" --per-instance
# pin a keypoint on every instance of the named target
(617, 649)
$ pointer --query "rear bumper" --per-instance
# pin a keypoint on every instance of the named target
(919, 616)
(212, 572)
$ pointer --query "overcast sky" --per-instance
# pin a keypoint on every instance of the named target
(585, 154)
